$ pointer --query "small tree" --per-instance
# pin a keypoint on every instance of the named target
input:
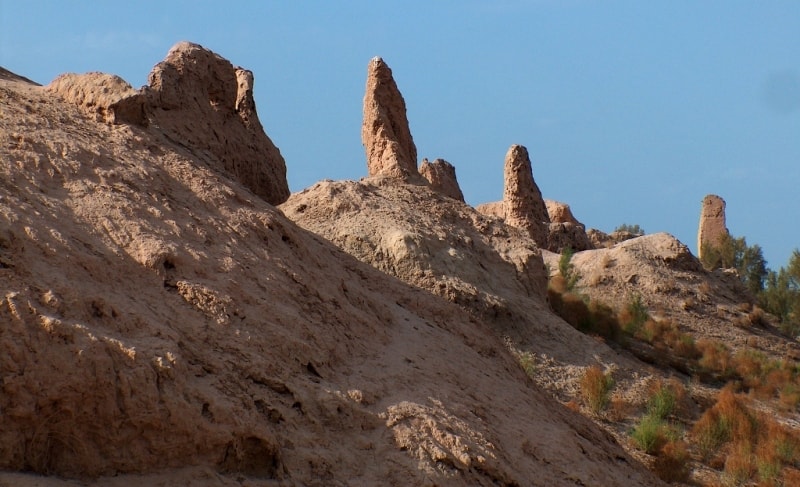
(781, 294)
(734, 253)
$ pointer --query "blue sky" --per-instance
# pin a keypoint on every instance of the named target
(632, 111)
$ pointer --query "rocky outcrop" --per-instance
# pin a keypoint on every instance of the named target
(384, 132)
(103, 97)
(442, 177)
(522, 200)
(712, 223)
(200, 100)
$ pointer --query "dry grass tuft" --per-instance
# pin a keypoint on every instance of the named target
(596, 389)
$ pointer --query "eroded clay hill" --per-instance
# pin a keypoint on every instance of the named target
(162, 324)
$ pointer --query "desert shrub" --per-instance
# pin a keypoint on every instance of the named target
(757, 316)
(620, 409)
(728, 420)
(648, 434)
(634, 315)
(749, 365)
(683, 345)
(654, 331)
(652, 432)
(662, 401)
(567, 269)
(739, 465)
(715, 358)
(634, 229)
(778, 442)
(603, 321)
(528, 363)
(586, 315)
(672, 463)
(789, 397)
(596, 388)
(575, 311)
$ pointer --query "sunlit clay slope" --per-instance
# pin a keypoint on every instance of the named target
(161, 323)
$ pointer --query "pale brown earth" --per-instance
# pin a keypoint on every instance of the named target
(493, 271)
(198, 100)
(162, 324)
(673, 285)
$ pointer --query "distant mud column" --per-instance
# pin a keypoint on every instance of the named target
(442, 177)
(523, 203)
(385, 132)
(712, 223)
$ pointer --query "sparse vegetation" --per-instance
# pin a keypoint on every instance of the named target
(650, 434)
(777, 292)
(653, 431)
(744, 446)
(634, 315)
(567, 269)
(596, 388)
(634, 229)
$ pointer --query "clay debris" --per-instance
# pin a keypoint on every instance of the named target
(523, 202)
(385, 132)
(442, 177)
(712, 223)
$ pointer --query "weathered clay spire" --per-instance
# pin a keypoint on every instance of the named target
(523, 203)
(712, 223)
(442, 176)
(385, 132)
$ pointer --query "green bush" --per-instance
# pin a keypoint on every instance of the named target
(649, 434)
(634, 229)
(662, 402)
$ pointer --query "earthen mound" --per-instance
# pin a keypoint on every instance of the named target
(162, 326)
(104, 97)
(442, 177)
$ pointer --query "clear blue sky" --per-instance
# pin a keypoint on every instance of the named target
(632, 110)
